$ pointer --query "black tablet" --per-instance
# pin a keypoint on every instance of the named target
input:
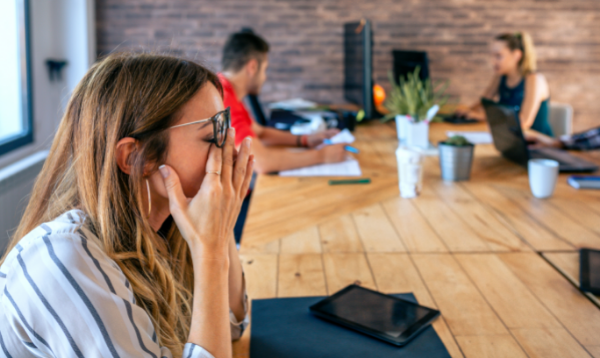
(589, 271)
(385, 317)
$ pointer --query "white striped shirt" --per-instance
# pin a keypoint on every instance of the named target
(62, 296)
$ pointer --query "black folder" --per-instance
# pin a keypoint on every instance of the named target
(283, 327)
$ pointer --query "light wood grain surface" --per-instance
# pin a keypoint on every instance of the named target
(500, 265)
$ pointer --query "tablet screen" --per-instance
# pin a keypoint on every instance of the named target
(375, 311)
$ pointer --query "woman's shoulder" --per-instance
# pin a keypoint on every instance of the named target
(536, 77)
(64, 236)
(535, 82)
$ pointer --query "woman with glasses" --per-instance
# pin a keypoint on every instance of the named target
(126, 247)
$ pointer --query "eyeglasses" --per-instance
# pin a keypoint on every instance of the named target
(221, 122)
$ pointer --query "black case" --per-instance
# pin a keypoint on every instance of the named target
(400, 341)
(585, 270)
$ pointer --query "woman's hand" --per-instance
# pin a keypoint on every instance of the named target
(474, 112)
(537, 140)
(207, 220)
(462, 111)
(333, 153)
(314, 140)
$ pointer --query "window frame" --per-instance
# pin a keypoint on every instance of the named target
(26, 136)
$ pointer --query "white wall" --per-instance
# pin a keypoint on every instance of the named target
(60, 29)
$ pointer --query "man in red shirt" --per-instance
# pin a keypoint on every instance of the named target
(244, 65)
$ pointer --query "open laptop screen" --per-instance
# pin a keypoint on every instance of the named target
(506, 131)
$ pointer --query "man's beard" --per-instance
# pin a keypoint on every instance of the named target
(255, 86)
(254, 89)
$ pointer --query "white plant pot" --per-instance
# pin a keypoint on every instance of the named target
(417, 134)
(402, 122)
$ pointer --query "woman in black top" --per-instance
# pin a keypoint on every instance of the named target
(516, 83)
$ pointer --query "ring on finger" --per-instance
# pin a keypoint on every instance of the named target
(217, 172)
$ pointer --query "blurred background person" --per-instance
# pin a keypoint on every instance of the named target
(516, 83)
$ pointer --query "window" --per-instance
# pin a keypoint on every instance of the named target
(16, 126)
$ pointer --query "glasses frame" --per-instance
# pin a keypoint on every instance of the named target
(226, 112)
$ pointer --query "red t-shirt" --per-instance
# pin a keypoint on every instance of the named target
(240, 119)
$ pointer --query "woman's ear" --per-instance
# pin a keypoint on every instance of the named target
(518, 55)
(125, 147)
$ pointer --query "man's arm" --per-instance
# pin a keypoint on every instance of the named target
(271, 136)
(269, 160)
(587, 140)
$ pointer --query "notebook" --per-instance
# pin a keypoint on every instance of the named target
(584, 182)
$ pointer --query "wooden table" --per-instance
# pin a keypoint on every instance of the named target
(483, 252)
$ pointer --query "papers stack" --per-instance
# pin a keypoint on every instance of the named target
(293, 104)
(349, 168)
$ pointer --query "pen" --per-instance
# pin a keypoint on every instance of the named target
(350, 181)
(348, 148)
(351, 149)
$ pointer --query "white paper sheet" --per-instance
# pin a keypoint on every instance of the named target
(293, 104)
(349, 168)
(342, 137)
(474, 137)
(345, 136)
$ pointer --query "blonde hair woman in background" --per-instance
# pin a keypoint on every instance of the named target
(126, 247)
(516, 83)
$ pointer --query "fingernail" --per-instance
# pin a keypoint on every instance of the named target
(232, 130)
(248, 141)
(164, 171)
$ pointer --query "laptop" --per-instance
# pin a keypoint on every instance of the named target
(509, 140)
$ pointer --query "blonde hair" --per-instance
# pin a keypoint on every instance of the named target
(521, 41)
(124, 95)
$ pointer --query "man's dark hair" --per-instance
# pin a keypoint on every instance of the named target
(242, 47)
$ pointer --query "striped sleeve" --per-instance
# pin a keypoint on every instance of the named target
(238, 327)
(63, 297)
(587, 140)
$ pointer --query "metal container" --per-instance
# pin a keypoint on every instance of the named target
(455, 161)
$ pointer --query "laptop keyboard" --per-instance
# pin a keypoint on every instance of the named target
(541, 154)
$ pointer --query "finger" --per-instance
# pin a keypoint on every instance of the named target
(235, 156)
(214, 163)
(241, 163)
(247, 177)
(332, 132)
(177, 201)
(228, 149)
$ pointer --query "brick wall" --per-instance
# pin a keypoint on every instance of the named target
(306, 39)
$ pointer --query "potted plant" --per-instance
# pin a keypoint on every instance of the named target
(414, 104)
(456, 158)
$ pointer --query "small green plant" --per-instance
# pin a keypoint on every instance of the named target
(413, 97)
(457, 141)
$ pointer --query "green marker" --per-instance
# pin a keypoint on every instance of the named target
(350, 181)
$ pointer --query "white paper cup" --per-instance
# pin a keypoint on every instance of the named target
(410, 171)
(542, 177)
